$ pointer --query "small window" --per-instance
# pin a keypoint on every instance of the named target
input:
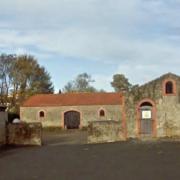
(101, 113)
(169, 87)
(41, 114)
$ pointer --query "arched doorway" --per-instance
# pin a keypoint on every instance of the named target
(72, 120)
(146, 118)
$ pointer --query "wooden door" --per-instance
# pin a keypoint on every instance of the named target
(72, 120)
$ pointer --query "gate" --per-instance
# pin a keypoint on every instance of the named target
(72, 120)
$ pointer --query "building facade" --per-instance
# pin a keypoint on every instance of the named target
(151, 110)
(72, 110)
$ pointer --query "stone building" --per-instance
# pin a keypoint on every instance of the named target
(72, 110)
(151, 110)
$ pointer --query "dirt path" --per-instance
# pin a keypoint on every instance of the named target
(65, 137)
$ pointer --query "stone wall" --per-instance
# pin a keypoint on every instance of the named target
(54, 116)
(167, 107)
(168, 116)
(105, 131)
(24, 134)
(3, 120)
(166, 110)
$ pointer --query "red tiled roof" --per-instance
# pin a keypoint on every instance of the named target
(73, 99)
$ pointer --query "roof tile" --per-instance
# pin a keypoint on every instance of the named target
(73, 99)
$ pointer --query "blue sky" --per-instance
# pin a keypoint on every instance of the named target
(139, 38)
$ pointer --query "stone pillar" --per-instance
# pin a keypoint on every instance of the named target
(3, 120)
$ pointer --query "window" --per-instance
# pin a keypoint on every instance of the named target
(41, 114)
(101, 113)
(146, 104)
(169, 87)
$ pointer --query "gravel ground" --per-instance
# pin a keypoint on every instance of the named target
(63, 157)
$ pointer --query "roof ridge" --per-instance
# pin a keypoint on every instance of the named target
(74, 99)
(73, 93)
(158, 78)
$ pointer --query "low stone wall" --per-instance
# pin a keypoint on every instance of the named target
(2, 134)
(105, 131)
(3, 119)
(24, 134)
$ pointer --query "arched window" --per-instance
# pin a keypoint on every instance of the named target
(146, 103)
(101, 113)
(41, 114)
(169, 87)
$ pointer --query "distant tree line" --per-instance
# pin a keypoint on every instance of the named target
(20, 77)
(82, 83)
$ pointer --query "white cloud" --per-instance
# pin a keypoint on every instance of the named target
(139, 36)
(102, 82)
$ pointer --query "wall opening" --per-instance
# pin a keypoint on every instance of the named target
(101, 113)
(169, 87)
(41, 114)
(72, 120)
(146, 120)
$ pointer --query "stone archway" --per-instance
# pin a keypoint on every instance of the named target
(72, 120)
(146, 118)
